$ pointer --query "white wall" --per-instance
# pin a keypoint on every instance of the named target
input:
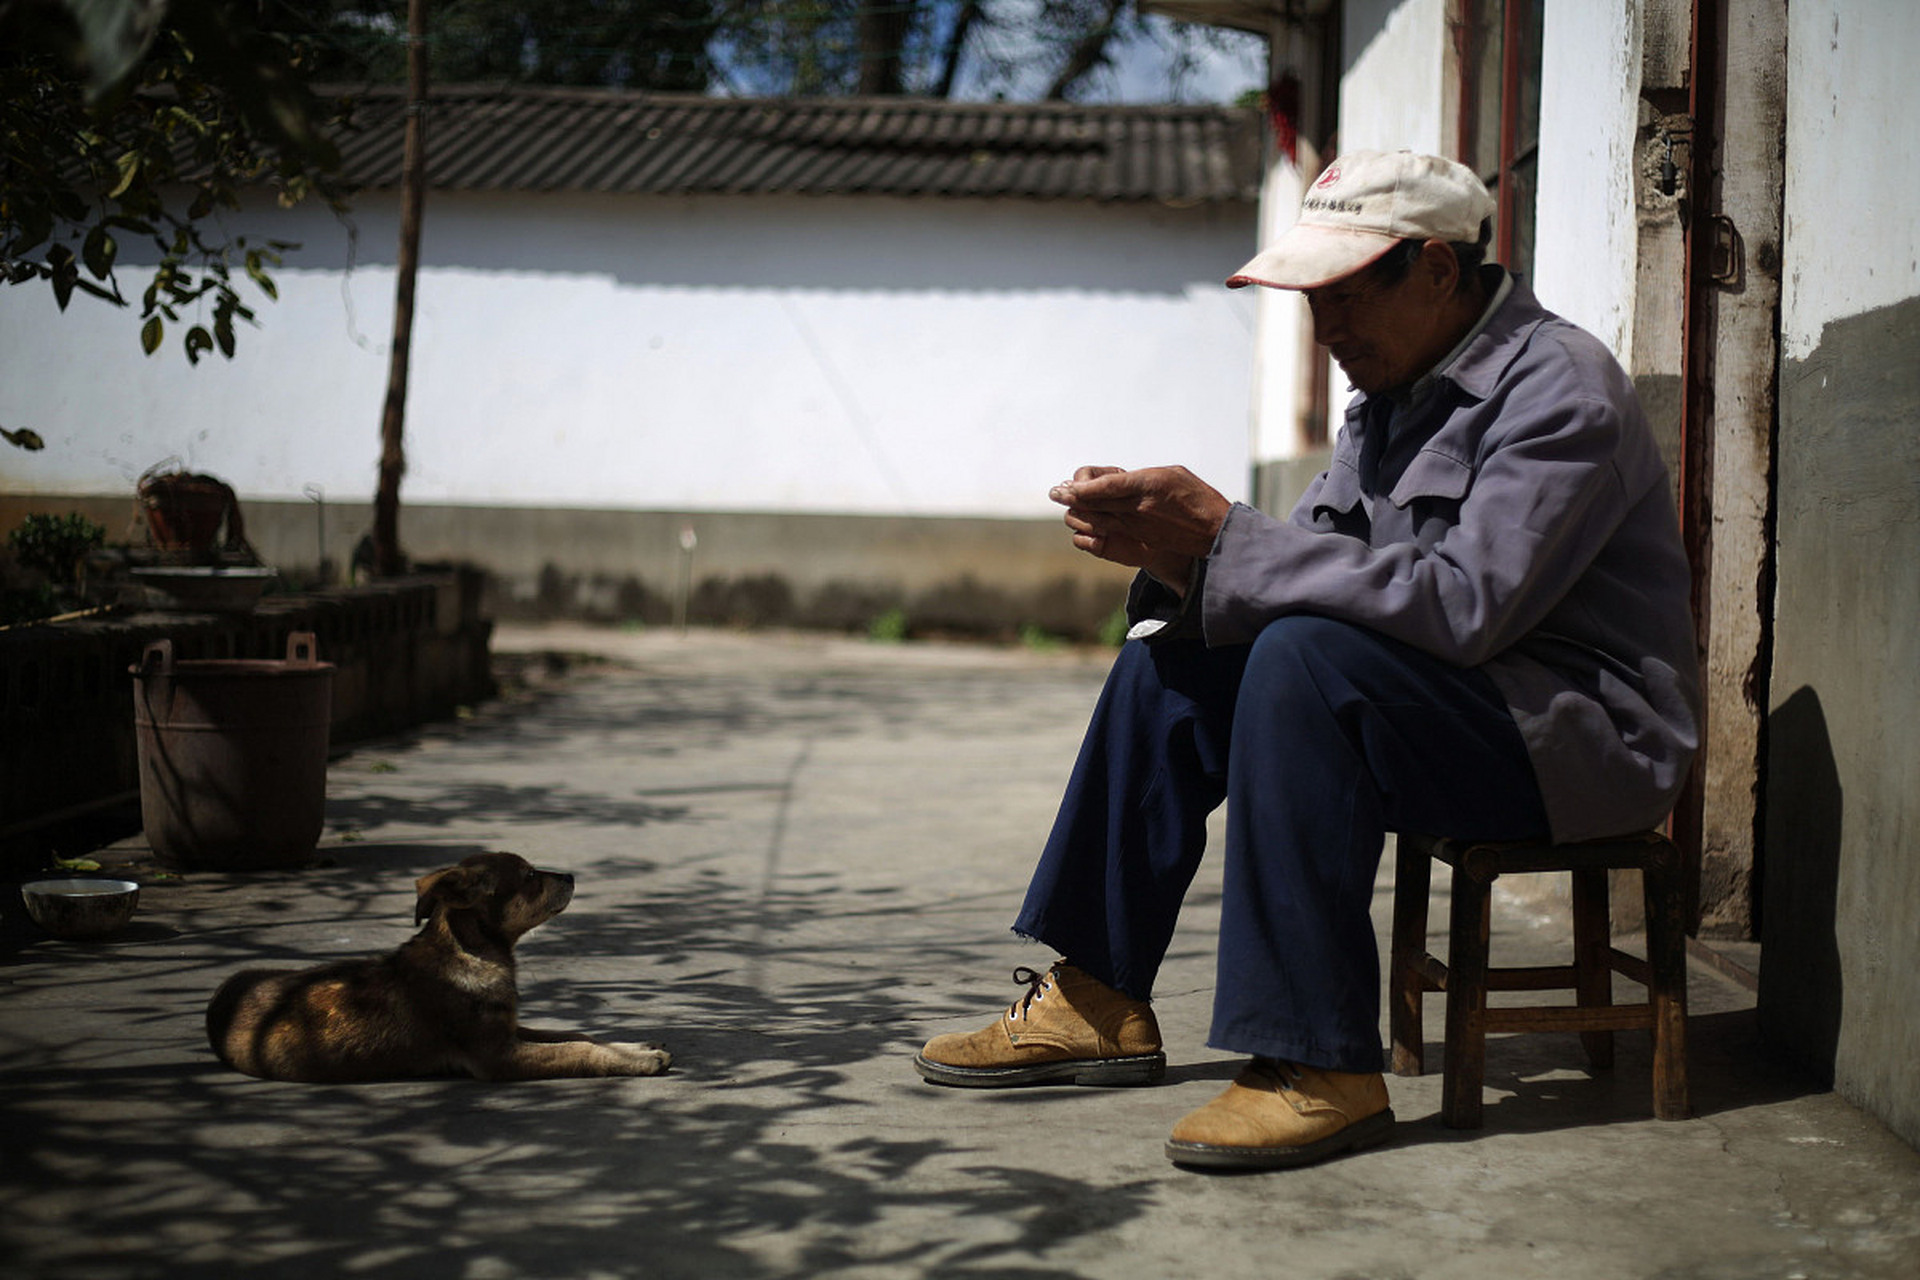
(1282, 328)
(842, 356)
(1392, 95)
(1852, 189)
(1585, 235)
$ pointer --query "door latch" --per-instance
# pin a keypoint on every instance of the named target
(1726, 253)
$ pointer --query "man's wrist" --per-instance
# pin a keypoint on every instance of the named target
(1176, 575)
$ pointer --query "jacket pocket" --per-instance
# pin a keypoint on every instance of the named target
(1432, 475)
(1337, 508)
(1430, 492)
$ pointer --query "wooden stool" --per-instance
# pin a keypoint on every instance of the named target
(1466, 977)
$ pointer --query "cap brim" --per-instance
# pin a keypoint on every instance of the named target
(1307, 257)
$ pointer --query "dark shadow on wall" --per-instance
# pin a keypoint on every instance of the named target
(1801, 997)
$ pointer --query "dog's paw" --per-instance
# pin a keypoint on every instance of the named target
(645, 1059)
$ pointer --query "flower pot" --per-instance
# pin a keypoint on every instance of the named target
(185, 512)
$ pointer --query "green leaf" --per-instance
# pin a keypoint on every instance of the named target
(70, 205)
(149, 120)
(99, 252)
(129, 167)
(186, 119)
(65, 274)
(105, 295)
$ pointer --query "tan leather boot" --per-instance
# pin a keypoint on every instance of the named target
(1277, 1115)
(1069, 1028)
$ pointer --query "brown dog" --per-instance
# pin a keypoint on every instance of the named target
(443, 1004)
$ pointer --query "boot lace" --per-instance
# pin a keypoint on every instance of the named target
(1286, 1076)
(1037, 985)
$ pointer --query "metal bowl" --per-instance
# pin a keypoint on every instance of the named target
(80, 908)
(204, 588)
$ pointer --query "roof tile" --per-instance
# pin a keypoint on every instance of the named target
(544, 139)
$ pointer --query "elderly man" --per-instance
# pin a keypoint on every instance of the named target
(1474, 624)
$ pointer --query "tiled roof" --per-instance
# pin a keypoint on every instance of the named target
(538, 139)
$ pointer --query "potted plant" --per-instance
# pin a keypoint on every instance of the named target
(185, 511)
(56, 548)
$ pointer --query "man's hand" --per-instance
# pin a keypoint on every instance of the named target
(1160, 519)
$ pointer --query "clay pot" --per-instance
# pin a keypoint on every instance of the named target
(185, 511)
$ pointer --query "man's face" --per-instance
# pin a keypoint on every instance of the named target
(1381, 335)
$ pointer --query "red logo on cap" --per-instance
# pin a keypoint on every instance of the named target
(1331, 176)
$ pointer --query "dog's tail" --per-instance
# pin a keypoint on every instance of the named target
(221, 1011)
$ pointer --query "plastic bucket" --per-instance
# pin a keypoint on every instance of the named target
(233, 756)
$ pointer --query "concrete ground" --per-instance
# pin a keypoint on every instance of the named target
(797, 858)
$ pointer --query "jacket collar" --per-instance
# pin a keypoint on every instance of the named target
(1477, 366)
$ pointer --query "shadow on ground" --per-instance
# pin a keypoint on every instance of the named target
(133, 1154)
(791, 1138)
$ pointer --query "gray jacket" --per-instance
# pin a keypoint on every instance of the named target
(1518, 519)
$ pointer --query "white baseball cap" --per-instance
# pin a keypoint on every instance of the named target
(1363, 205)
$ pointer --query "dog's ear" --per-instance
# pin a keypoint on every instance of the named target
(460, 886)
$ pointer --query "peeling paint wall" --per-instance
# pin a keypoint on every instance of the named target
(1840, 975)
(1739, 340)
(1840, 980)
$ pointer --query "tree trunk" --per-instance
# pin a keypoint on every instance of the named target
(387, 558)
(883, 28)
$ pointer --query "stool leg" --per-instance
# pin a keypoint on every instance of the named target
(1412, 885)
(1466, 1051)
(1667, 958)
(1592, 956)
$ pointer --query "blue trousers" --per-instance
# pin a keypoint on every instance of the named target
(1320, 737)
